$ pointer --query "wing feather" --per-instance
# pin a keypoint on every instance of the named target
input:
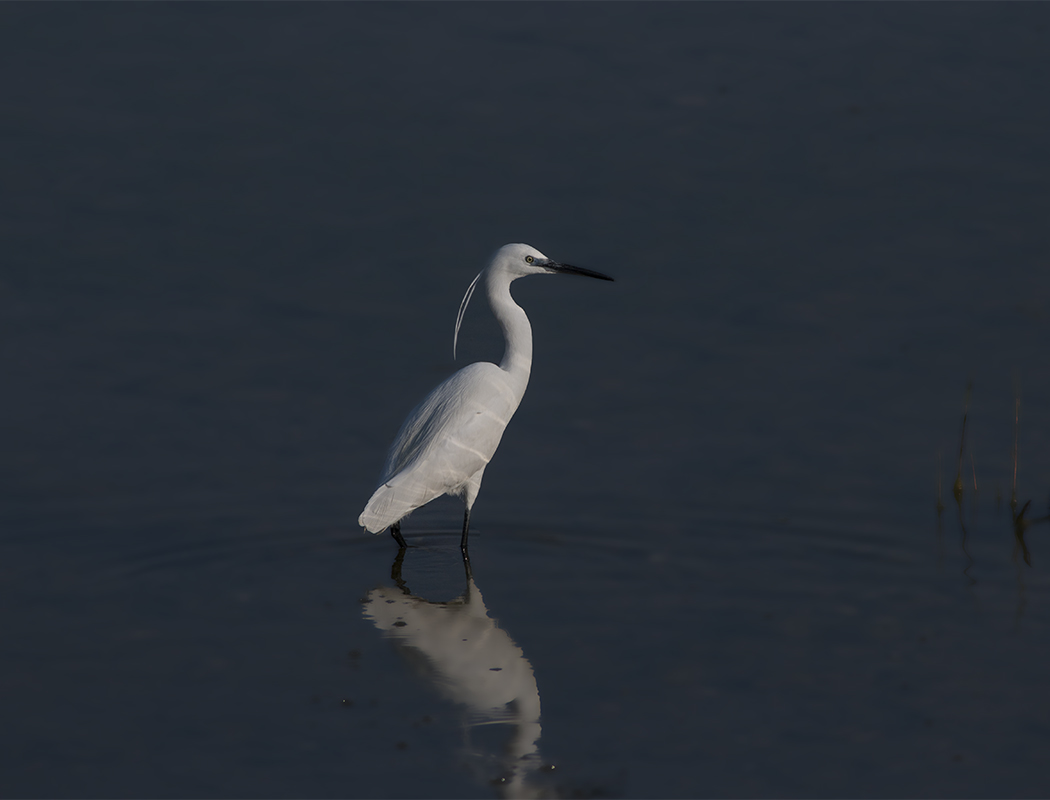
(445, 441)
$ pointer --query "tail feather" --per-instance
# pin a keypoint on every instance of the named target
(394, 500)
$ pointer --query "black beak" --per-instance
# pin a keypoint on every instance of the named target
(568, 269)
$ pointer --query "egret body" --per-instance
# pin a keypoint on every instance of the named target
(447, 440)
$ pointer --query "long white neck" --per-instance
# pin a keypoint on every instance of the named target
(517, 358)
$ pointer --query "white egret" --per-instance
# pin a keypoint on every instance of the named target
(447, 440)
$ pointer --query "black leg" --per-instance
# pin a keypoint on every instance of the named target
(395, 531)
(395, 571)
(463, 544)
(466, 531)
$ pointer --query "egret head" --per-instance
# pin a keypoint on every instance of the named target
(519, 260)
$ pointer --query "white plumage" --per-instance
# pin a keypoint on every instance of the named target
(447, 440)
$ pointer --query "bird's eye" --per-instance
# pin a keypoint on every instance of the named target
(529, 259)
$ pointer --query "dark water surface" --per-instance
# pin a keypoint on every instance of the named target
(707, 558)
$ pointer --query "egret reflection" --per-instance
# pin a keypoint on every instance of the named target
(474, 663)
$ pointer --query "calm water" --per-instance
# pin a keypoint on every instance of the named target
(708, 558)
